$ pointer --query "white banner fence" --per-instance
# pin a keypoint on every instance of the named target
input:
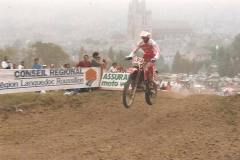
(114, 81)
(17, 81)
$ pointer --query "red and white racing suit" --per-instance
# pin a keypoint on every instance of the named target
(151, 50)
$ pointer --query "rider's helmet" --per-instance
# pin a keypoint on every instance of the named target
(145, 34)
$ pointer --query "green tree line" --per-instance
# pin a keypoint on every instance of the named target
(49, 53)
(227, 60)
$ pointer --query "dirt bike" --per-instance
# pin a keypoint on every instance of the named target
(136, 82)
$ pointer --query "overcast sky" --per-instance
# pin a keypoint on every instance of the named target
(59, 16)
(31, 8)
(64, 2)
(111, 4)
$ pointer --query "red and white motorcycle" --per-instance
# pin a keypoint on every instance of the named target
(138, 81)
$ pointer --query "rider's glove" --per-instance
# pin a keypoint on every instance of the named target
(153, 60)
(130, 55)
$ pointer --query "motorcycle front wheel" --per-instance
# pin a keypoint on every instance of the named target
(151, 92)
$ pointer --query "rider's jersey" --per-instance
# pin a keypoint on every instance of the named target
(150, 49)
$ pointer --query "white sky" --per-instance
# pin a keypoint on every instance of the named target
(20, 15)
(16, 7)
(111, 3)
(32, 9)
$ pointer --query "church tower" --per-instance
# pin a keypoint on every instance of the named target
(139, 18)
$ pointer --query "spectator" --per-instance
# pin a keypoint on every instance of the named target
(85, 62)
(103, 63)
(36, 64)
(121, 69)
(21, 65)
(5, 63)
(113, 68)
(52, 66)
(67, 65)
(69, 91)
(98, 62)
(95, 61)
(13, 66)
(168, 87)
(163, 86)
(44, 66)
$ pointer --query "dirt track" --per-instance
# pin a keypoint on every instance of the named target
(95, 126)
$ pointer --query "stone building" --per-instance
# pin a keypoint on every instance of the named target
(139, 18)
(164, 30)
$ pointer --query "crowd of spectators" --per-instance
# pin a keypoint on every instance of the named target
(7, 64)
(96, 61)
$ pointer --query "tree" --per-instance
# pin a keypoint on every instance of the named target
(224, 63)
(236, 46)
(162, 67)
(10, 52)
(185, 66)
(111, 54)
(119, 57)
(50, 53)
(182, 65)
(221, 62)
(236, 54)
(82, 52)
(28, 56)
(177, 65)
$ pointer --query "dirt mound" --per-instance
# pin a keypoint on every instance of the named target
(95, 126)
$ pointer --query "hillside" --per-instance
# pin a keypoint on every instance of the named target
(95, 126)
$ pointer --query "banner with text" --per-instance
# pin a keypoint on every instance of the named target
(114, 81)
(16, 81)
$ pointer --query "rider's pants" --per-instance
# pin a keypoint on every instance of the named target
(149, 69)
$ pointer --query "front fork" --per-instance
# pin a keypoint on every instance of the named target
(147, 73)
(142, 76)
(149, 76)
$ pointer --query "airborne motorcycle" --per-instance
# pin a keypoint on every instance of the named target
(137, 81)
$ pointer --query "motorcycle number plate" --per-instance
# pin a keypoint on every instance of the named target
(137, 60)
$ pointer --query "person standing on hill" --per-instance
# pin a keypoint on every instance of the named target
(36, 64)
(85, 62)
(95, 61)
(113, 68)
(21, 65)
(5, 63)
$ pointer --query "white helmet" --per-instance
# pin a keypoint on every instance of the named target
(145, 34)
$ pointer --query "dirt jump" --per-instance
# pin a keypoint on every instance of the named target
(96, 126)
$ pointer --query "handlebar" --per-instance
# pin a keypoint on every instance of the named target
(128, 58)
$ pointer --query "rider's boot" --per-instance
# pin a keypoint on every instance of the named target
(150, 81)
